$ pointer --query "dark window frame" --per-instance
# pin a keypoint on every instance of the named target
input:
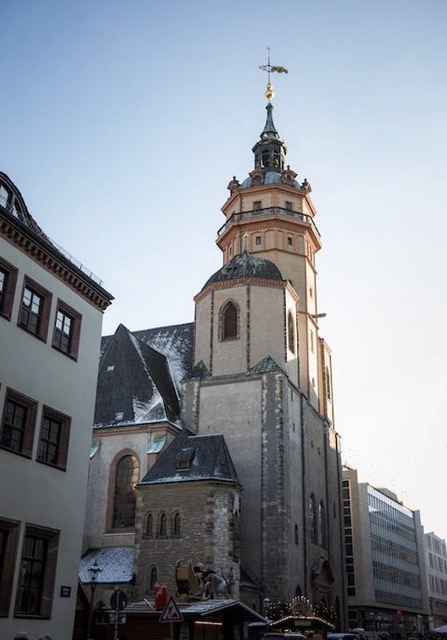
(149, 526)
(229, 321)
(8, 289)
(163, 526)
(25, 430)
(42, 585)
(9, 538)
(35, 324)
(67, 343)
(54, 437)
(124, 497)
(176, 525)
(313, 519)
(290, 332)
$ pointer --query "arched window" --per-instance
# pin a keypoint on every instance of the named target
(152, 578)
(176, 524)
(229, 321)
(162, 529)
(297, 540)
(150, 525)
(125, 494)
(291, 332)
(322, 528)
(313, 519)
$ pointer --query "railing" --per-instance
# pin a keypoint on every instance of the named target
(279, 212)
(19, 215)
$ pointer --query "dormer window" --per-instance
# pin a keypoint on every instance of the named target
(184, 458)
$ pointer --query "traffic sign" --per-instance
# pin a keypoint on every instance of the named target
(118, 600)
(171, 612)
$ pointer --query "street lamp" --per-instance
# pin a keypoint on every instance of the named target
(266, 606)
(93, 572)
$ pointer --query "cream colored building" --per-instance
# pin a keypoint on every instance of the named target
(50, 327)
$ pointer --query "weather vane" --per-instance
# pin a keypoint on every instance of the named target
(269, 93)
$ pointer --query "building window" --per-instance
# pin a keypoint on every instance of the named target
(37, 571)
(297, 541)
(313, 520)
(312, 341)
(289, 206)
(257, 240)
(19, 417)
(8, 278)
(162, 530)
(322, 528)
(289, 241)
(229, 321)
(256, 205)
(328, 383)
(176, 524)
(67, 330)
(53, 439)
(291, 332)
(125, 493)
(149, 526)
(9, 535)
(35, 309)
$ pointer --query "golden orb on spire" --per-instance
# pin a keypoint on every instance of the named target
(269, 93)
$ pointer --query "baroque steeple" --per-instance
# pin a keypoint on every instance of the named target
(270, 150)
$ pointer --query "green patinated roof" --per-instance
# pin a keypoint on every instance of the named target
(246, 266)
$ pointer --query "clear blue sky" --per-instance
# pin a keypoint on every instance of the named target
(122, 123)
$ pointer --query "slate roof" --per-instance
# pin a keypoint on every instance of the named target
(135, 383)
(266, 364)
(193, 457)
(116, 564)
(246, 266)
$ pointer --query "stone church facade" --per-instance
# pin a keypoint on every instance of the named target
(214, 441)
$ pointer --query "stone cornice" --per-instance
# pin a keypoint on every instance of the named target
(19, 235)
(238, 282)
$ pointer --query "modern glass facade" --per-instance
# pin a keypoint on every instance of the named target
(395, 558)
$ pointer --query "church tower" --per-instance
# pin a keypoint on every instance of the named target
(272, 215)
(262, 379)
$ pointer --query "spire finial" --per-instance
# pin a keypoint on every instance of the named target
(269, 93)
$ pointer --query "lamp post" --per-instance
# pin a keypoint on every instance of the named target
(93, 571)
(266, 606)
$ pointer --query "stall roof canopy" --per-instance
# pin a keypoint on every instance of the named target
(205, 609)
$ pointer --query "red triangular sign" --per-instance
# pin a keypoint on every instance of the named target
(171, 612)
